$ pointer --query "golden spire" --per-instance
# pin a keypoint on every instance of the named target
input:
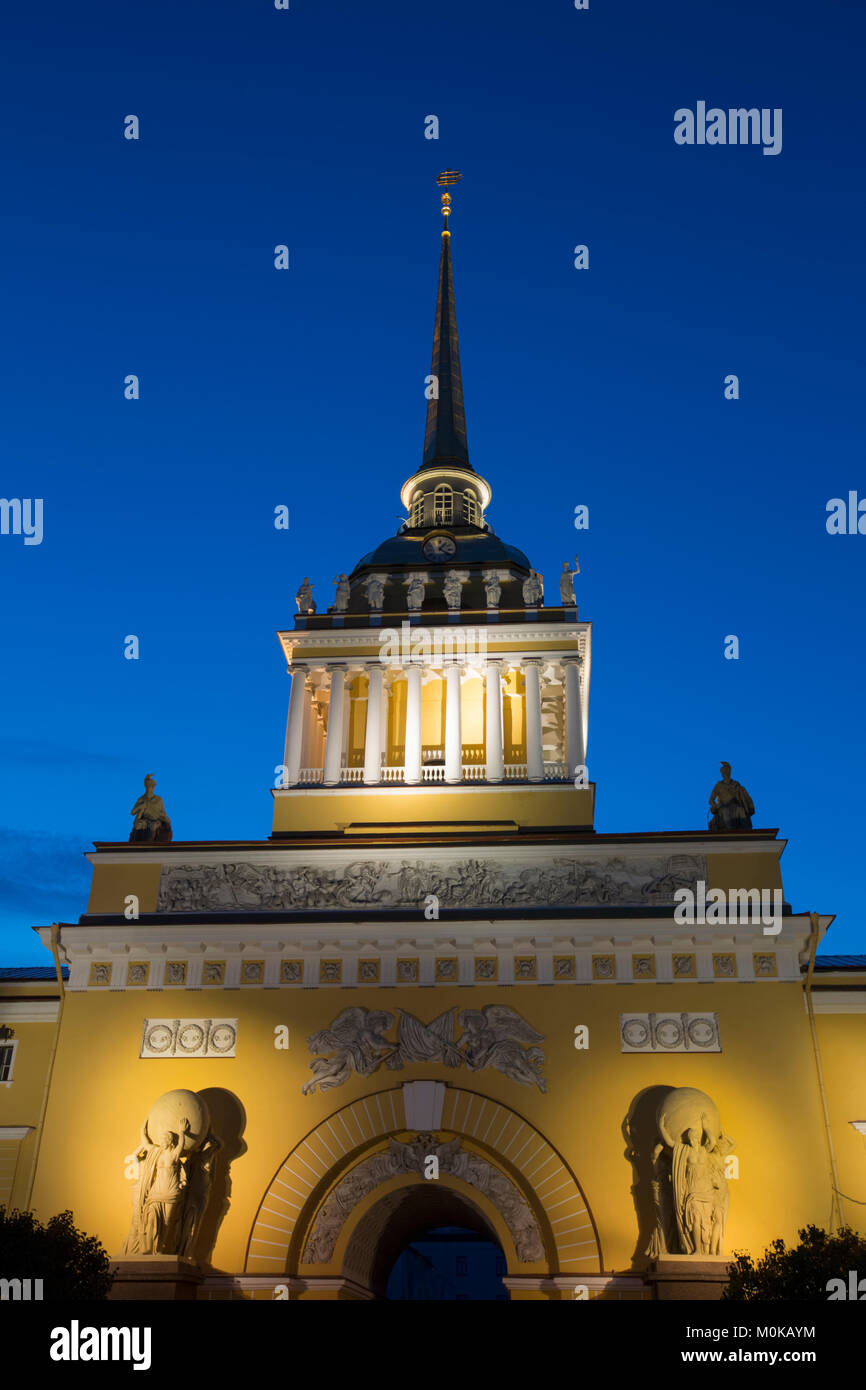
(445, 180)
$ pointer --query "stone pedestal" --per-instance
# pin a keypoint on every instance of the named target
(162, 1277)
(688, 1277)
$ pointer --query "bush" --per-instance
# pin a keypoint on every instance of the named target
(802, 1273)
(70, 1264)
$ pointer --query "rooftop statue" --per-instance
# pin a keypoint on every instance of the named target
(492, 588)
(374, 591)
(452, 588)
(731, 806)
(566, 583)
(341, 598)
(533, 590)
(151, 822)
(304, 597)
(414, 591)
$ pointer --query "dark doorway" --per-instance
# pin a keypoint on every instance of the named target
(448, 1262)
(434, 1225)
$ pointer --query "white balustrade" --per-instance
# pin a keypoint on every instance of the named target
(556, 772)
(435, 772)
(352, 774)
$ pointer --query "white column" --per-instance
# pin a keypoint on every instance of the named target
(412, 739)
(493, 752)
(308, 739)
(534, 749)
(347, 714)
(386, 697)
(319, 745)
(573, 717)
(453, 731)
(373, 732)
(334, 740)
(295, 726)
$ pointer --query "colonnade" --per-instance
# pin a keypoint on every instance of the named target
(314, 755)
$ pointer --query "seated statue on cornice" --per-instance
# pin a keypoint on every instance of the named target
(151, 822)
(731, 806)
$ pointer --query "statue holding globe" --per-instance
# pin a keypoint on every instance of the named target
(689, 1183)
(172, 1171)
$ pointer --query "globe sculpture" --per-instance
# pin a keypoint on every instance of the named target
(167, 1115)
(689, 1183)
(686, 1108)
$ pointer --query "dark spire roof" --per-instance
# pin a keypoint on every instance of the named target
(445, 437)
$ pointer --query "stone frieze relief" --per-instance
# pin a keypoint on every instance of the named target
(467, 883)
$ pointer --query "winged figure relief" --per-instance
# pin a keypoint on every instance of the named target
(495, 1036)
(355, 1038)
(426, 1042)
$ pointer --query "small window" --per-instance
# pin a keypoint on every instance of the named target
(462, 1265)
(417, 515)
(470, 506)
(443, 505)
(7, 1062)
(500, 1265)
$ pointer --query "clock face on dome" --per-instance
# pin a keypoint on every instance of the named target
(439, 547)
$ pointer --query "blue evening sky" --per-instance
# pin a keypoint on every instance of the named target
(305, 387)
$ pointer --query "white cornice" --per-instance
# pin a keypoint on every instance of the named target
(595, 932)
(710, 949)
(368, 636)
(528, 852)
(29, 1010)
(838, 1001)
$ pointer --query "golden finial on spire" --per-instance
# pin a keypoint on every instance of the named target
(445, 180)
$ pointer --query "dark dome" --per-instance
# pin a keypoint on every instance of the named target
(474, 546)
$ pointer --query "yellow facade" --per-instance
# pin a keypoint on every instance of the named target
(29, 1012)
(436, 996)
(764, 1083)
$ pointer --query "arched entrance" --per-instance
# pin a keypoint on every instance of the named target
(423, 1155)
(399, 1227)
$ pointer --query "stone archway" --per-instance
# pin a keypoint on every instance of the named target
(397, 1218)
(336, 1196)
